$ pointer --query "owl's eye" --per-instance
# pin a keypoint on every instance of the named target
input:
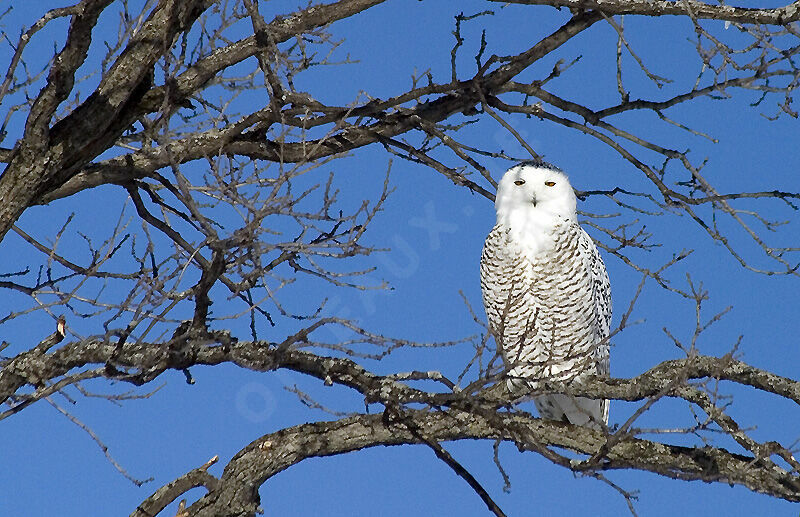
(519, 182)
(550, 183)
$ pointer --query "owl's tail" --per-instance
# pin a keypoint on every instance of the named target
(575, 410)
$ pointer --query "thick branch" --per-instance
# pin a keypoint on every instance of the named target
(237, 492)
(260, 356)
(19, 184)
(46, 156)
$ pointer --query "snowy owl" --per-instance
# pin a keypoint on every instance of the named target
(546, 292)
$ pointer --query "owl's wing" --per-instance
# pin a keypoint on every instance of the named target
(601, 296)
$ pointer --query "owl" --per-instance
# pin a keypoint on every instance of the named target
(546, 292)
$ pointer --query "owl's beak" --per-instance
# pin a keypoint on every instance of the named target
(533, 200)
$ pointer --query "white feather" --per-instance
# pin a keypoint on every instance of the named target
(531, 210)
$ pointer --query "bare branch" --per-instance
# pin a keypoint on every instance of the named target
(701, 10)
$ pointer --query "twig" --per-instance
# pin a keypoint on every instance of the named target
(451, 462)
(103, 446)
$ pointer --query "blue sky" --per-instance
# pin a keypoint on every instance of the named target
(50, 466)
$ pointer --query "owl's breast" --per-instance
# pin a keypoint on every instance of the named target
(540, 305)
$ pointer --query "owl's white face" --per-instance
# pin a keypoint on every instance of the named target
(536, 191)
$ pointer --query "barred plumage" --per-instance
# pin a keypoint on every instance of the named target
(546, 291)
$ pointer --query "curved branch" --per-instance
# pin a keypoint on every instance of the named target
(237, 492)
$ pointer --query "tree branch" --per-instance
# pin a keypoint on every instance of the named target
(700, 10)
(237, 491)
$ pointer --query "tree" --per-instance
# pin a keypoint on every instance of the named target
(249, 174)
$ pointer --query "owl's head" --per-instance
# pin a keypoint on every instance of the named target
(536, 189)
